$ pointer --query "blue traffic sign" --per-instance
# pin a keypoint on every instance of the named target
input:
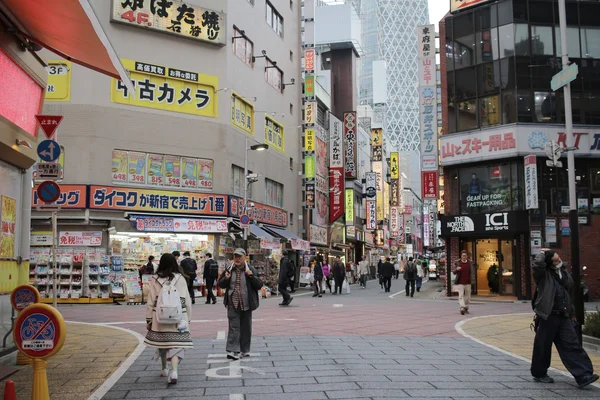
(244, 220)
(48, 191)
(48, 150)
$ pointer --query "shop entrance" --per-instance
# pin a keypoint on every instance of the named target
(494, 260)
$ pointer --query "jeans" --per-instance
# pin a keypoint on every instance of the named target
(419, 282)
(410, 284)
(387, 283)
(363, 281)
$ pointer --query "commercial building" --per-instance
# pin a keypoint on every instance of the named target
(498, 108)
(163, 168)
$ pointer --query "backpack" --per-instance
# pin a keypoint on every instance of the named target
(411, 270)
(213, 268)
(189, 266)
(168, 304)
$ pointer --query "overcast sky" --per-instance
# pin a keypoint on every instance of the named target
(437, 9)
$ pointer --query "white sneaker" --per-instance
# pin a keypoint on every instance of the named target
(172, 378)
(165, 372)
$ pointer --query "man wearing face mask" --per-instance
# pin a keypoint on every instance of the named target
(555, 320)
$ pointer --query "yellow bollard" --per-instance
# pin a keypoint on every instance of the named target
(22, 359)
(20, 298)
(39, 390)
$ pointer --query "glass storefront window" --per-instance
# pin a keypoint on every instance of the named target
(572, 42)
(507, 73)
(592, 112)
(509, 107)
(541, 40)
(506, 37)
(517, 185)
(465, 83)
(524, 105)
(590, 42)
(489, 111)
(545, 106)
(488, 78)
(464, 52)
(522, 40)
(449, 55)
(467, 115)
(450, 86)
(523, 72)
(486, 188)
(487, 45)
(451, 118)
(505, 12)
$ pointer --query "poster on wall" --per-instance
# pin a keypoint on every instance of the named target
(531, 183)
(321, 216)
(137, 167)
(583, 207)
(119, 166)
(551, 237)
(189, 172)
(205, 173)
(172, 171)
(596, 205)
(8, 222)
(565, 229)
(487, 188)
(155, 169)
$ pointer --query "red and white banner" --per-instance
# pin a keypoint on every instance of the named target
(400, 229)
(394, 213)
(78, 238)
(350, 129)
(298, 244)
(271, 244)
(429, 180)
(407, 210)
(200, 225)
(371, 214)
(336, 170)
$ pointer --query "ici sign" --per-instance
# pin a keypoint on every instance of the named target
(511, 222)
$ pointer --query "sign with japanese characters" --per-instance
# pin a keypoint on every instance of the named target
(309, 60)
(371, 185)
(394, 165)
(531, 183)
(154, 200)
(376, 144)
(258, 212)
(172, 171)
(61, 164)
(58, 87)
(270, 244)
(309, 140)
(318, 235)
(336, 169)
(350, 127)
(371, 214)
(71, 196)
(188, 225)
(378, 169)
(78, 238)
(394, 230)
(173, 17)
(299, 244)
(429, 180)
(394, 192)
(309, 86)
(274, 134)
(119, 166)
(309, 167)
(242, 114)
(476, 146)
(309, 195)
(428, 126)
(426, 55)
(350, 207)
(167, 89)
(336, 144)
(310, 112)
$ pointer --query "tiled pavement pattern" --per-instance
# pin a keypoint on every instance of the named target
(346, 367)
(90, 354)
(512, 333)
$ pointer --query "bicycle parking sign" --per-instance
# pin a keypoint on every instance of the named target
(40, 331)
(23, 296)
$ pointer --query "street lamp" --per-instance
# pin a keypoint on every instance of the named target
(248, 180)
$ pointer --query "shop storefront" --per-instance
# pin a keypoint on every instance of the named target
(495, 243)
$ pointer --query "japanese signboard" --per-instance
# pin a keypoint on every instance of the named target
(8, 223)
(318, 235)
(71, 238)
(267, 243)
(261, 213)
(371, 214)
(298, 244)
(394, 193)
(378, 169)
(168, 224)
(394, 229)
(173, 17)
(428, 124)
(350, 207)
(503, 223)
(426, 55)
(309, 60)
(394, 165)
(321, 184)
(429, 181)
(309, 167)
(459, 5)
(350, 129)
(321, 157)
(377, 144)
(274, 135)
(58, 87)
(71, 196)
(61, 165)
(531, 183)
(309, 140)
(309, 86)
(242, 114)
(310, 112)
(480, 145)
(152, 200)
(371, 185)
(336, 169)
(426, 227)
(167, 89)
(309, 190)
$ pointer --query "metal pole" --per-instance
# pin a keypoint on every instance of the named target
(246, 191)
(573, 219)
(54, 263)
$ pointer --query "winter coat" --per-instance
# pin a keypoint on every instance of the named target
(387, 270)
(285, 271)
(544, 297)
(253, 285)
(167, 336)
(318, 271)
(339, 271)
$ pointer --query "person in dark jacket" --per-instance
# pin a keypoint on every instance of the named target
(339, 274)
(285, 271)
(379, 272)
(189, 266)
(317, 271)
(241, 284)
(210, 273)
(410, 276)
(555, 322)
(387, 271)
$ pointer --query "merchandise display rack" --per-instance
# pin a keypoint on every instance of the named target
(97, 282)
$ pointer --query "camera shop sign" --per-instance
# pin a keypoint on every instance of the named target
(510, 222)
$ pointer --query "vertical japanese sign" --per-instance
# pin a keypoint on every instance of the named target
(394, 193)
(377, 144)
(394, 228)
(310, 112)
(59, 80)
(394, 165)
(242, 114)
(429, 180)
(426, 226)
(350, 207)
(378, 169)
(309, 86)
(8, 222)
(531, 184)
(309, 60)
(309, 140)
(371, 214)
(274, 134)
(310, 195)
(371, 185)
(336, 169)
(427, 97)
(350, 144)
(309, 167)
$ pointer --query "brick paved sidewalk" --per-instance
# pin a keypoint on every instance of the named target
(89, 356)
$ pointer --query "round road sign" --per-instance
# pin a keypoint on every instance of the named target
(48, 191)
(244, 219)
(24, 296)
(40, 331)
(48, 150)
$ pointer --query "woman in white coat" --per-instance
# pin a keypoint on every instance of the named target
(420, 275)
(171, 340)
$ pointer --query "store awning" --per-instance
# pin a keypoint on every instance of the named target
(69, 28)
(260, 233)
(282, 232)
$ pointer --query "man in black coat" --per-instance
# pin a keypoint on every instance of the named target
(339, 274)
(285, 273)
(189, 266)
(387, 271)
(211, 272)
(380, 272)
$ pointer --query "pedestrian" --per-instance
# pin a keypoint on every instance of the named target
(397, 268)
(148, 268)
(292, 276)
(555, 322)
(419, 277)
(285, 271)
(241, 284)
(210, 273)
(327, 275)
(463, 269)
(170, 340)
(387, 271)
(317, 271)
(379, 272)
(363, 270)
(189, 266)
(339, 274)
(177, 255)
(410, 276)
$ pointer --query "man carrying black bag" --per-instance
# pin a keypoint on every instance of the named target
(285, 273)
(189, 266)
(211, 271)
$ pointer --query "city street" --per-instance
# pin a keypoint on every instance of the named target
(364, 345)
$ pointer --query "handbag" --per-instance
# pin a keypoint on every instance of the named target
(309, 277)
(456, 277)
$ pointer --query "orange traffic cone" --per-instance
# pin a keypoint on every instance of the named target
(9, 391)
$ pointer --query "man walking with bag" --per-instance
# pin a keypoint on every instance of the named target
(189, 266)
(387, 271)
(363, 270)
(410, 276)
(211, 272)
(285, 271)
(339, 274)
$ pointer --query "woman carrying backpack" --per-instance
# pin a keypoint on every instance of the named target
(167, 321)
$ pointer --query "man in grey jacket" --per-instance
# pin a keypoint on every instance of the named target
(241, 285)
(555, 319)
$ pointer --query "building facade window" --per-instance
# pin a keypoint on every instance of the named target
(274, 19)
(237, 182)
(273, 193)
(274, 76)
(243, 48)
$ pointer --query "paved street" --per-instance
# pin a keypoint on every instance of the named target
(365, 345)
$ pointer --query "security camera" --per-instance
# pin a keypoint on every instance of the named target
(252, 176)
(111, 230)
(264, 52)
(293, 80)
(274, 63)
(250, 204)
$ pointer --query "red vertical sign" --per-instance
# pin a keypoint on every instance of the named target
(429, 180)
